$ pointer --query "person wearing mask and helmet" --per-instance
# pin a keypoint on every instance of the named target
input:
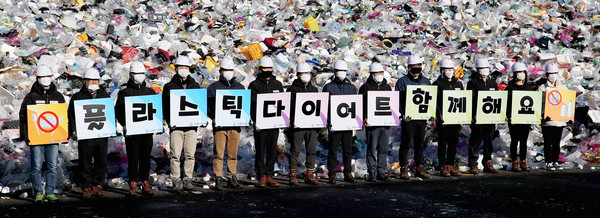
(138, 147)
(183, 139)
(92, 173)
(224, 137)
(265, 139)
(447, 134)
(412, 130)
(43, 91)
(551, 129)
(378, 137)
(300, 85)
(518, 132)
(481, 81)
(340, 86)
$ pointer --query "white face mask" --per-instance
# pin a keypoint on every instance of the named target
(484, 72)
(378, 78)
(183, 73)
(227, 75)
(448, 73)
(139, 78)
(93, 88)
(305, 77)
(553, 77)
(520, 76)
(341, 75)
(45, 81)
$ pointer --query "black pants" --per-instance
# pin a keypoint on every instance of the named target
(265, 141)
(447, 141)
(309, 137)
(552, 136)
(138, 149)
(335, 139)
(518, 137)
(92, 161)
(483, 132)
(412, 131)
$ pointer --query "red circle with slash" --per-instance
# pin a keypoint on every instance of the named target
(554, 98)
(47, 121)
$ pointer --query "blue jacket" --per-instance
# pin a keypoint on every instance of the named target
(405, 81)
(337, 87)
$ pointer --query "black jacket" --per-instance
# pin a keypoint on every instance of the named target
(443, 84)
(260, 86)
(176, 83)
(477, 84)
(296, 87)
(512, 86)
(37, 95)
(132, 89)
(371, 85)
(212, 95)
(83, 94)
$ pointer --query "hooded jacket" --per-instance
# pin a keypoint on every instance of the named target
(176, 83)
(212, 95)
(261, 85)
(132, 89)
(443, 84)
(298, 87)
(371, 85)
(83, 94)
(37, 95)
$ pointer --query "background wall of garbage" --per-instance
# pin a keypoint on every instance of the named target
(73, 35)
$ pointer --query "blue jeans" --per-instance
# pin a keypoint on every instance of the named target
(38, 155)
(377, 150)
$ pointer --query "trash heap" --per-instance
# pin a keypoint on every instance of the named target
(71, 36)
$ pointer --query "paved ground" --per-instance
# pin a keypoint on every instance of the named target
(538, 193)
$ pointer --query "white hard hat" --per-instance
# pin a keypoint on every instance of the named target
(552, 68)
(303, 68)
(446, 63)
(518, 67)
(227, 63)
(91, 73)
(265, 62)
(375, 67)
(43, 70)
(182, 61)
(137, 67)
(340, 65)
(482, 63)
(414, 59)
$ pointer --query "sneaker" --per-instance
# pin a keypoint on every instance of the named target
(558, 166)
(550, 167)
(39, 198)
(188, 185)
(177, 185)
(51, 198)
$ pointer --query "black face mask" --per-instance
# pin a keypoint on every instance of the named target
(415, 71)
(265, 74)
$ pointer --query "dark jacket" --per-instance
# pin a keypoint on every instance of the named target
(176, 83)
(405, 81)
(296, 87)
(338, 87)
(260, 86)
(132, 89)
(371, 85)
(443, 84)
(477, 84)
(83, 94)
(212, 95)
(37, 95)
(512, 86)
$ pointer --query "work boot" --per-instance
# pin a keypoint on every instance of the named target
(218, 183)
(525, 166)
(188, 185)
(233, 182)
(309, 178)
(262, 182)
(332, 179)
(488, 167)
(371, 177)
(87, 193)
(271, 182)
(420, 172)
(516, 166)
(177, 185)
(132, 189)
(349, 178)
(98, 192)
(444, 171)
(404, 173)
(382, 177)
(146, 188)
(474, 170)
(453, 171)
(293, 179)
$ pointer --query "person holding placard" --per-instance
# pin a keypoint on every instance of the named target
(377, 136)
(447, 134)
(302, 84)
(340, 86)
(552, 130)
(518, 132)
(92, 152)
(138, 147)
(265, 140)
(43, 91)
(412, 130)
(224, 137)
(183, 139)
(480, 80)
